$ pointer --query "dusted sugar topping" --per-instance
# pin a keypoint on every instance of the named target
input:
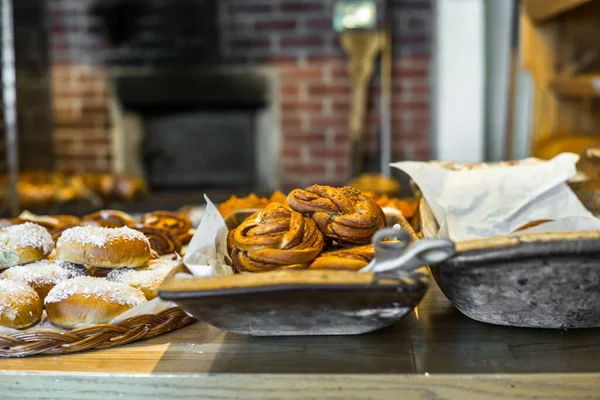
(44, 272)
(26, 235)
(97, 236)
(14, 295)
(149, 277)
(113, 292)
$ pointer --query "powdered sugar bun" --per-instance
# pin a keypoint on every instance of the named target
(30, 242)
(103, 247)
(147, 279)
(86, 301)
(43, 275)
(20, 305)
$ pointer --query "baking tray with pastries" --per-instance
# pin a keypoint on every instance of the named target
(43, 190)
(297, 269)
(71, 284)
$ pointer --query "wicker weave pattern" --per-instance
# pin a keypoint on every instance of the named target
(93, 337)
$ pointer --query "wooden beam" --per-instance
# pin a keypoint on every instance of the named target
(542, 10)
(577, 86)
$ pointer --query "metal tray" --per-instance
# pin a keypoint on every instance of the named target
(284, 303)
(541, 280)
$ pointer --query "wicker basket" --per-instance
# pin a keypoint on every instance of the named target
(100, 336)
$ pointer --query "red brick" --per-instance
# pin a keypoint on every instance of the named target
(293, 121)
(290, 90)
(326, 122)
(340, 106)
(323, 89)
(301, 41)
(327, 58)
(400, 72)
(305, 169)
(294, 140)
(290, 152)
(331, 154)
(319, 24)
(276, 25)
(308, 105)
(308, 73)
(340, 73)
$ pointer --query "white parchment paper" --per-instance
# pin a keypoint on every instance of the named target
(206, 254)
(494, 201)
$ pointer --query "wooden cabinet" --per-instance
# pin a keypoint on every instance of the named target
(560, 46)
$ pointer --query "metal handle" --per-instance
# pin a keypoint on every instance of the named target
(401, 255)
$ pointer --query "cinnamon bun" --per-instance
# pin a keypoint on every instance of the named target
(345, 215)
(275, 238)
(176, 223)
(161, 240)
(109, 219)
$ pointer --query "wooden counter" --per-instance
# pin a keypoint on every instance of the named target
(435, 352)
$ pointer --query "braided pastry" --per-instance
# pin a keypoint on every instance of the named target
(275, 238)
(176, 223)
(353, 258)
(161, 240)
(185, 238)
(109, 219)
(345, 215)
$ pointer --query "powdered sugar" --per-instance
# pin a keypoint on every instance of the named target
(14, 295)
(44, 272)
(26, 235)
(99, 236)
(113, 292)
(149, 277)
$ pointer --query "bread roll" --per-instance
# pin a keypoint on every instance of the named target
(103, 247)
(20, 305)
(29, 242)
(86, 301)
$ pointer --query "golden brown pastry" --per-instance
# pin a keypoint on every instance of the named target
(43, 275)
(20, 305)
(30, 242)
(109, 219)
(65, 220)
(86, 301)
(345, 215)
(185, 238)
(275, 238)
(103, 247)
(353, 258)
(162, 241)
(176, 223)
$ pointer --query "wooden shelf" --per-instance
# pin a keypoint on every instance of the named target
(543, 10)
(577, 86)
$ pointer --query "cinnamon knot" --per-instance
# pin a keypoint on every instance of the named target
(345, 215)
(275, 238)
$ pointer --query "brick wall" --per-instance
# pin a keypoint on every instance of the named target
(294, 36)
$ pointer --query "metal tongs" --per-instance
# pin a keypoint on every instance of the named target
(402, 255)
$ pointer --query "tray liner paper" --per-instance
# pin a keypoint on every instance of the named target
(495, 201)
